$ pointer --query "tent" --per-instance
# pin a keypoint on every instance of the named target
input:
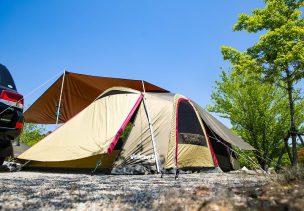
(165, 131)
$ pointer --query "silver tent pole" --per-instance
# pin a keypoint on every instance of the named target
(151, 128)
(60, 99)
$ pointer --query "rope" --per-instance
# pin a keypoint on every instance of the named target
(29, 94)
(241, 150)
(98, 164)
(251, 161)
(33, 91)
(256, 155)
(265, 158)
(25, 164)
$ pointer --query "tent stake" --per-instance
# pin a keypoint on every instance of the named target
(60, 99)
(151, 128)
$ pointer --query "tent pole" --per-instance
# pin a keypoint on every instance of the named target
(151, 128)
(60, 99)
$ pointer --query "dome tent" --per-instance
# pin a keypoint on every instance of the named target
(184, 136)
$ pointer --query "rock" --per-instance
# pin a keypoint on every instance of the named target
(244, 168)
(283, 201)
(62, 191)
(271, 170)
(217, 207)
(12, 166)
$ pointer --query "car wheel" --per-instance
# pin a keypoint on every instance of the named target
(2, 160)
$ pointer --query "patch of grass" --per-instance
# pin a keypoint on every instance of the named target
(291, 175)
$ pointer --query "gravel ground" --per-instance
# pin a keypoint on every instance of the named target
(49, 191)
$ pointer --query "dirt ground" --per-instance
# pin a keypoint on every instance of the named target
(201, 191)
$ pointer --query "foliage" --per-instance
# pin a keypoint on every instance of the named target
(278, 56)
(247, 159)
(32, 133)
(282, 46)
(281, 49)
(126, 131)
(258, 111)
(285, 160)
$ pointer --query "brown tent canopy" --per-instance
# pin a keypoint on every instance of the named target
(79, 91)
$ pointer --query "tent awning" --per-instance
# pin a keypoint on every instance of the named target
(78, 92)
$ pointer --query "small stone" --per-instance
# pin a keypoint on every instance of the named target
(240, 204)
(284, 201)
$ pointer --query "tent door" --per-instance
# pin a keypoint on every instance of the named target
(192, 147)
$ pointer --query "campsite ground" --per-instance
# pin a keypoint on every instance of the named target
(205, 191)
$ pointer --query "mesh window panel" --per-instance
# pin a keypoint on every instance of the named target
(220, 150)
(189, 127)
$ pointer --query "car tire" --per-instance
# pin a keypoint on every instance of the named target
(6, 149)
(2, 160)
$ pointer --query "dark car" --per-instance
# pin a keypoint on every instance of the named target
(11, 113)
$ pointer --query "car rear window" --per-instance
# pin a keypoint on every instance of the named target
(6, 79)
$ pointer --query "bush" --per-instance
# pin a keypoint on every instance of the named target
(32, 133)
(291, 174)
(301, 156)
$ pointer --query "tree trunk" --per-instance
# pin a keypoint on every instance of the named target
(261, 161)
(287, 148)
(279, 163)
(293, 131)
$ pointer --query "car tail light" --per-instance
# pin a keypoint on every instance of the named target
(19, 125)
(12, 98)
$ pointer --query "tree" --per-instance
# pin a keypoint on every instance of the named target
(280, 51)
(32, 133)
(258, 112)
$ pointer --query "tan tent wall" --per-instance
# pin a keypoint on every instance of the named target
(87, 134)
(83, 163)
(191, 156)
(187, 155)
(79, 91)
(139, 142)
